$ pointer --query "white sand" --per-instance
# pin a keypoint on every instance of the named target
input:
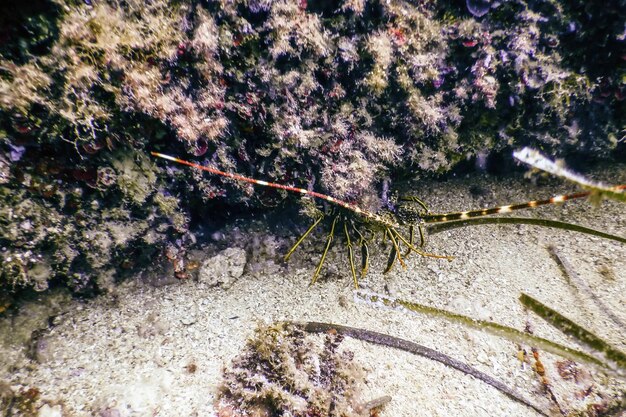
(127, 352)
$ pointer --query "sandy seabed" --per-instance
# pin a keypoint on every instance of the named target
(128, 353)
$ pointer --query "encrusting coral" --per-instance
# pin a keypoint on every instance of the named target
(337, 96)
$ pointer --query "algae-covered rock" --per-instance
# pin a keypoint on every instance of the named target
(341, 96)
(282, 372)
(58, 223)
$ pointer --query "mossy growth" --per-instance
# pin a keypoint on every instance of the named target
(283, 372)
(73, 224)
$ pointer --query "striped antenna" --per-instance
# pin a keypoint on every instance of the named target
(302, 191)
(463, 215)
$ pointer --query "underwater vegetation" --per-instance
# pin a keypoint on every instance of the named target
(284, 372)
(344, 97)
(603, 363)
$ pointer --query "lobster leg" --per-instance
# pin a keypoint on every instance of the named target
(365, 253)
(395, 250)
(329, 241)
(420, 228)
(414, 199)
(301, 239)
(411, 233)
(391, 259)
(350, 255)
(419, 251)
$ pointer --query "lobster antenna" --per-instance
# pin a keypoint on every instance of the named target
(302, 191)
(463, 215)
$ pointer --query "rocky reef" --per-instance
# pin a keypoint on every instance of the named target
(343, 97)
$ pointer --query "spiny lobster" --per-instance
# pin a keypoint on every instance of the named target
(411, 212)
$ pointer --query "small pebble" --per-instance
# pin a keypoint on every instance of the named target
(48, 411)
